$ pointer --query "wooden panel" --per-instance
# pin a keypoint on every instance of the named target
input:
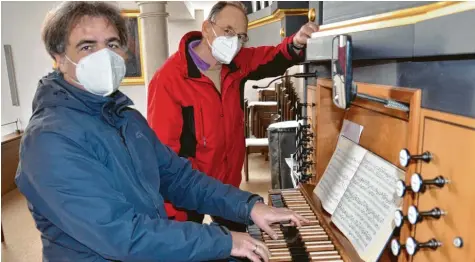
(386, 131)
(10, 159)
(451, 140)
(328, 125)
(380, 130)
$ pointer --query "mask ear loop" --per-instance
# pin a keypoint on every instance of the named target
(214, 32)
(209, 44)
(75, 64)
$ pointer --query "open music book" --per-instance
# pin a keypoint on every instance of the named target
(358, 190)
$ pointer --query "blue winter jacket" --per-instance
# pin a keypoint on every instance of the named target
(96, 176)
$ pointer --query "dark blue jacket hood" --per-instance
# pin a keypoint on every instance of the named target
(54, 91)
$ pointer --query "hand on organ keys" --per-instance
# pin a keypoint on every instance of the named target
(263, 216)
(307, 243)
(246, 246)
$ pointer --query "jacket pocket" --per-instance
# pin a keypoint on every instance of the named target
(188, 133)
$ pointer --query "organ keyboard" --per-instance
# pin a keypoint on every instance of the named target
(316, 241)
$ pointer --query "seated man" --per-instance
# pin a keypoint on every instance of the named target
(96, 176)
(195, 100)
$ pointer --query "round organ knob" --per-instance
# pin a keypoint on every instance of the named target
(405, 157)
(419, 185)
(396, 247)
(399, 218)
(401, 188)
(414, 216)
(412, 246)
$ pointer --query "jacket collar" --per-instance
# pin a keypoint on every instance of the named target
(54, 90)
(192, 70)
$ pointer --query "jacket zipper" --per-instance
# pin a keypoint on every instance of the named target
(202, 127)
(122, 138)
(220, 100)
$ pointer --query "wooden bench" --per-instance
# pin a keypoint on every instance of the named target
(267, 95)
(258, 116)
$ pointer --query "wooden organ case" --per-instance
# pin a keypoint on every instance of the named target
(398, 57)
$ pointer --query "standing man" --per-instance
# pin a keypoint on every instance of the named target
(195, 100)
(95, 174)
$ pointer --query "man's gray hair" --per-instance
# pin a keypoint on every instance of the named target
(60, 21)
(218, 7)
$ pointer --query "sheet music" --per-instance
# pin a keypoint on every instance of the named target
(340, 170)
(351, 130)
(366, 210)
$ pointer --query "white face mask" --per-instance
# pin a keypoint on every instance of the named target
(100, 72)
(224, 48)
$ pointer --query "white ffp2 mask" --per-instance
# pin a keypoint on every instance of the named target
(224, 48)
(100, 72)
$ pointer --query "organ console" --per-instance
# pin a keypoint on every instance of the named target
(395, 58)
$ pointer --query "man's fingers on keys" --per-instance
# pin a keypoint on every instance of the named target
(253, 256)
(262, 253)
(295, 219)
(263, 248)
(301, 218)
(266, 228)
(253, 252)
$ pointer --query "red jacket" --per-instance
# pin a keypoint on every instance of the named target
(190, 116)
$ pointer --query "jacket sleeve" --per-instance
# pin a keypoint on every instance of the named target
(269, 61)
(164, 113)
(193, 190)
(76, 193)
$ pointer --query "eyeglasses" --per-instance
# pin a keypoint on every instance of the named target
(230, 33)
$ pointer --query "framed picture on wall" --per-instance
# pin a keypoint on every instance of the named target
(134, 56)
